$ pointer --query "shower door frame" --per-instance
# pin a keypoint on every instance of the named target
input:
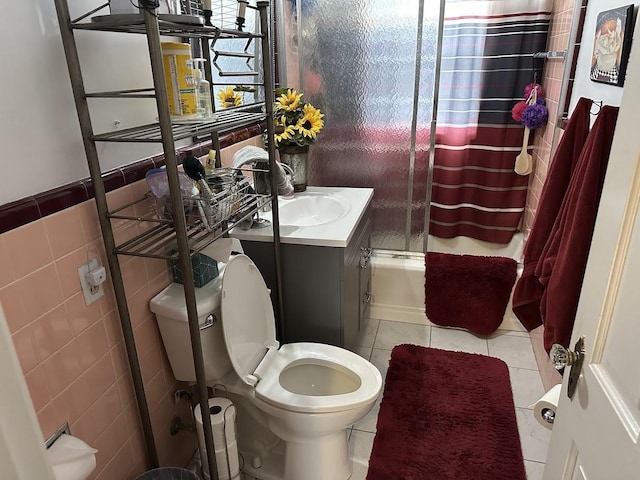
(283, 80)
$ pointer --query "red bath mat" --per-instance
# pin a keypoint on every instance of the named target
(468, 291)
(446, 415)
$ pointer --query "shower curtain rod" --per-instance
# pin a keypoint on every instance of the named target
(551, 55)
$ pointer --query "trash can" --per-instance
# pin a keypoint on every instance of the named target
(168, 473)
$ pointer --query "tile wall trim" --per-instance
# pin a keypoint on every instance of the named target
(26, 210)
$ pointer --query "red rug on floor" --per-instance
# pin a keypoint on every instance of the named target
(468, 291)
(446, 415)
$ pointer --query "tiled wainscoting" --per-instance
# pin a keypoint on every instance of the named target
(72, 355)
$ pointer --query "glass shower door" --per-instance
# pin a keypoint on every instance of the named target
(369, 66)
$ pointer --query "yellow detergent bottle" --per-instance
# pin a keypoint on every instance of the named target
(180, 80)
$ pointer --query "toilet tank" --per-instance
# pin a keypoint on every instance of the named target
(170, 309)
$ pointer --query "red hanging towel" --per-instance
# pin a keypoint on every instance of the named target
(528, 291)
(564, 260)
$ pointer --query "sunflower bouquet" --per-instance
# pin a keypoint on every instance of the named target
(296, 123)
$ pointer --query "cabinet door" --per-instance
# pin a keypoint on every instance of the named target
(356, 279)
(312, 294)
(311, 290)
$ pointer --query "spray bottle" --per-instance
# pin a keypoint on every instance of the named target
(203, 89)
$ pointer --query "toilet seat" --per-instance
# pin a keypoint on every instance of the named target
(271, 391)
(248, 325)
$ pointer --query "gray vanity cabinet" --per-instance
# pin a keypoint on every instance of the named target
(325, 289)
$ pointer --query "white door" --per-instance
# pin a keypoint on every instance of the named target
(596, 434)
(22, 452)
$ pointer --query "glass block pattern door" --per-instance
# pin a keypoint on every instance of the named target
(357, 63)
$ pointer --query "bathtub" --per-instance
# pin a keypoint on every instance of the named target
(397, 282)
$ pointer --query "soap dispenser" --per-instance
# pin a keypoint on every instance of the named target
(203, 89)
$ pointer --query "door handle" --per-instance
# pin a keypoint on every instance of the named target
(561, 357)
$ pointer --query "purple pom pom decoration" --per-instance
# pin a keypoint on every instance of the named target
(541, 101)
(535, 116)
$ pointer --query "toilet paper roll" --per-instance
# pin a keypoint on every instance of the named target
(544, 410)
(223, 423)
(71, 458)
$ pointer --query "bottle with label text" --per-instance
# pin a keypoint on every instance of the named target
(203, 90)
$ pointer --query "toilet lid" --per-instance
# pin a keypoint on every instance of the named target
(248, 322)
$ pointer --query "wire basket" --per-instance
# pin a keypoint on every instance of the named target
(232, 202)
(231, 199)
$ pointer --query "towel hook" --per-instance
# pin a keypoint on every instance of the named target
(597, 104)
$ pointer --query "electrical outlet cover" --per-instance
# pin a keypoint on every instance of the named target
(90, 294)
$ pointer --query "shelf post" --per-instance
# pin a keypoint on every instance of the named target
(268, 101)
(82, 108)
(180, 226)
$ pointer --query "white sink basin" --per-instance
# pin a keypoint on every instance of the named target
(310, 209)
(320, 216)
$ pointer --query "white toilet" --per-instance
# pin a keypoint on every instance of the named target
(294, 402)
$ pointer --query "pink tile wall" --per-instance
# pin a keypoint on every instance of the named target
(551, 84)
(226, 155)
(72, 355)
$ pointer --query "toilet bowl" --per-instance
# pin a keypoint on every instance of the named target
(307, 393)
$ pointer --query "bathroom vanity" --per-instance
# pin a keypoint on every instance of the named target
(325, 251)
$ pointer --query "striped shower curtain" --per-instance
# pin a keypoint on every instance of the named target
(487, 61)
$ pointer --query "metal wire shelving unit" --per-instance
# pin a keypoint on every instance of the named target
(174, 238)
(159, 239)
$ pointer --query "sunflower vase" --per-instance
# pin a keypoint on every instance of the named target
(297, 125)
(296, 157)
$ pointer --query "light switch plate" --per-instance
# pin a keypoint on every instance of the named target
(91, 294)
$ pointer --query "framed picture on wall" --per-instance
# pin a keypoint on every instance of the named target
(611, 45)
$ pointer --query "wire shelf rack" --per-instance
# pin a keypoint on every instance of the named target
(154, 221)
(226, 120)
(166, 27)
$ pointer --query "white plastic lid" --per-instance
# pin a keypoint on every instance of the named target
(248, 321)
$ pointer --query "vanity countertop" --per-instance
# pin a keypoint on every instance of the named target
(339, 211)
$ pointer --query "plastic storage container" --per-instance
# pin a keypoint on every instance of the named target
(204, 269)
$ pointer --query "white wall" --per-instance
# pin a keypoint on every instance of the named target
(40, 137)
(584, 86)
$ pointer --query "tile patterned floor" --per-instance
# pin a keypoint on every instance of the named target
(380, 336)
(378, 339)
